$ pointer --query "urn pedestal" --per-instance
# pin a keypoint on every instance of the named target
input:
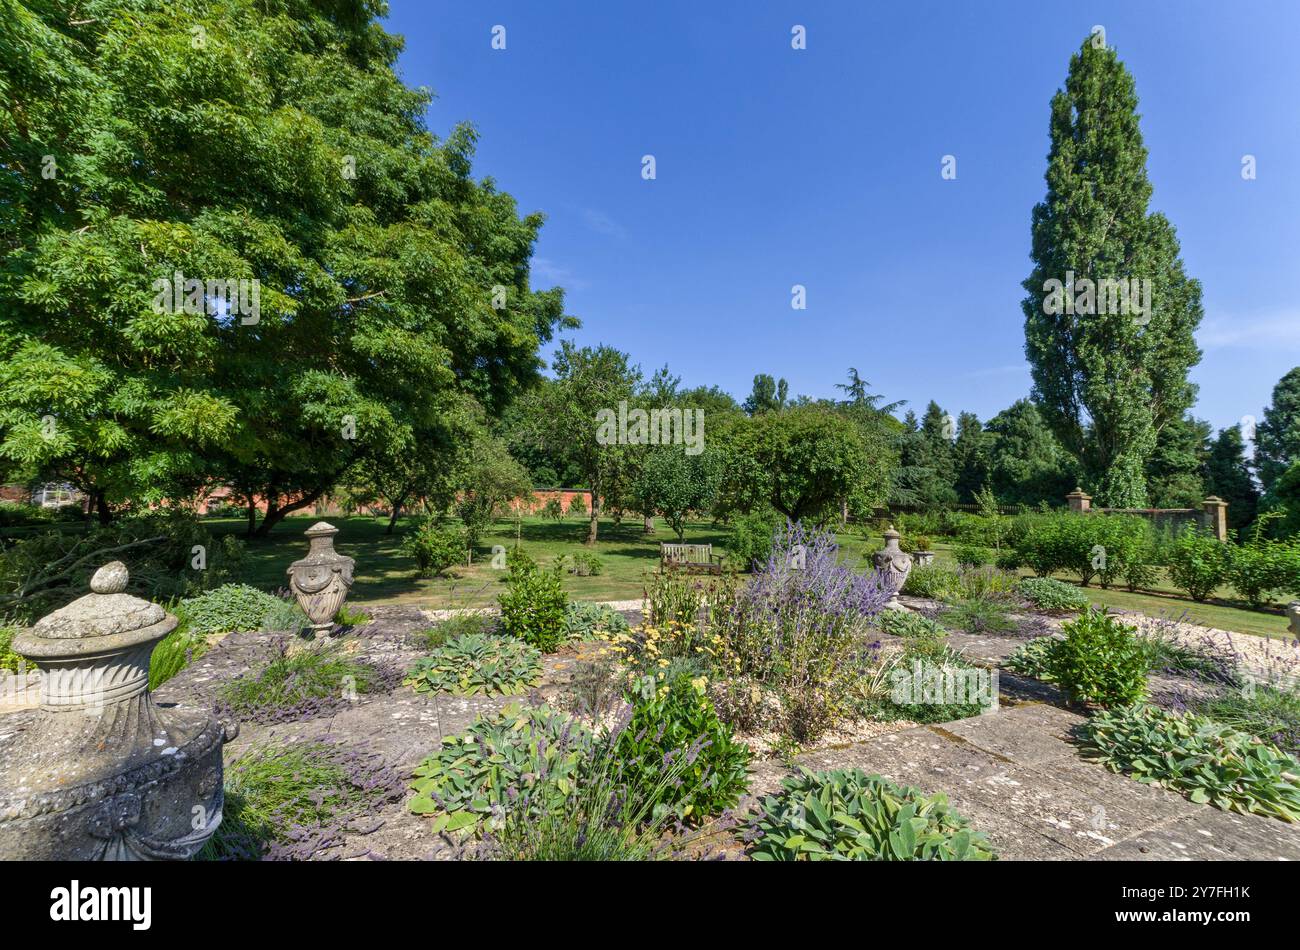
(98, 771)
(322, 579)
(893, 564)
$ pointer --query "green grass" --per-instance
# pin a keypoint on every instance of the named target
(385, 575)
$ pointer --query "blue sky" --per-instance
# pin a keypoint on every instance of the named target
(821, 167)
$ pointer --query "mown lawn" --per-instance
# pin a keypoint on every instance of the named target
(385, 575)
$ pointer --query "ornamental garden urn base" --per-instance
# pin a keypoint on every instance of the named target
(322, 579)
(893, 564)
(99, 772)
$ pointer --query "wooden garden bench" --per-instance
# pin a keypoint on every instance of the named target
(695, 558)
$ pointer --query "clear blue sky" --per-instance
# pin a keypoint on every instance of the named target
(822, 167)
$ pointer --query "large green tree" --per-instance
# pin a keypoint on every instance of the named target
(1027, 465)
(225, 141)
(562, 418)
(1277, 437)
(1107, 383)
(1227, 474)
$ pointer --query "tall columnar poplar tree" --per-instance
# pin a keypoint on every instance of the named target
(1106, 382)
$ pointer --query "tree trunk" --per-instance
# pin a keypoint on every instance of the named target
(397, 509)
(252, 517)
(595, 517)
(274, 514)
(101, 508)
(649, 524)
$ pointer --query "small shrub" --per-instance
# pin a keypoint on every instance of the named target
(477, 665)
(1100, 661)
(527, 756)
(173, 653)
(553, 509)
(984, 583)
(673, 594)
(931, 581)
(847, 815)
(349, 616)
(905, 623)
(533, 607)
(231, 607)
(285, 616)
(9, 660)
(1259, 569)
(436, 547)
(578, 506)
(680, 722)
(979, 616)
(457, 625)
(1209, 762)
(581, 564)
(1052, 596)
(1265, 712)
(929, 682)
(752, 536)
(290, 802)
(582, 620)
(971, 555)
(1198, 562)
(301, 684)
(1034, 659)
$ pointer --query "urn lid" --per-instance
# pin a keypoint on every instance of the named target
(106, 618)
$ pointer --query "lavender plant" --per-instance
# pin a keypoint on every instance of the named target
(797, 629)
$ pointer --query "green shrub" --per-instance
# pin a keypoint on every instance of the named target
(679, 721)
(1052, 596)
(850, 816)
(1100, 661)
(930, 682)
(173, 653)
(436, 547)
(553, 509)
(978, 616)
(280, 797)
(1207, 761)
(299, 682)
(581, 564)
(1034, 659)
(231, 607)
(905, 623)
(285, 615)
(9, 660)
(971, 555)
(1105, 547)
(1198, 562)
(583, 619)
(578, 506)
(475, 665)
(984, 583)
(1265, 712)
(534, 607)
(1261, 568)
(751, 540)
(932, 581)
(528, 756)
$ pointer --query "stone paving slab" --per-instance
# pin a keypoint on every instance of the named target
(1209, 834)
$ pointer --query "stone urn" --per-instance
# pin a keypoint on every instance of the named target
(322, 579)
(922, 558)
(99, 772)
(893, 564)
(1293, 614)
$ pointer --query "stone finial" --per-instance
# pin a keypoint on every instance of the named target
(1079, 500)
(110, 579)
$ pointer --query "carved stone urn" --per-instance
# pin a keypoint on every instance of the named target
(98, 771)
(321, 580)
(893, 564)
(1293, 614)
